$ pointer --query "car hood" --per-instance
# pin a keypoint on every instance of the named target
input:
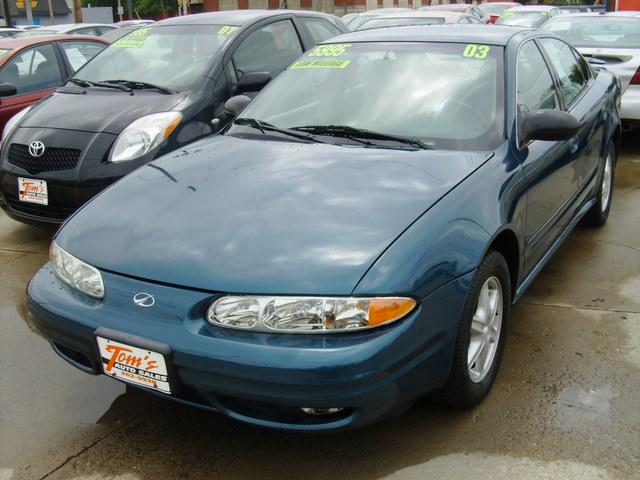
(254, 216)
(98, 110)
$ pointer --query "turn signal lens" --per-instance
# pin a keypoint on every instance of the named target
(384, 310)
(307, 314)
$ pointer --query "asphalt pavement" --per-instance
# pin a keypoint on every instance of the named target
(566, 403)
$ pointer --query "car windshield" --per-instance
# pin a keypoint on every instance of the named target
(173, 57)
(398, 22)
(598, 32)
(489, 9)
(523, 19)
(446, 95)
(357, 22)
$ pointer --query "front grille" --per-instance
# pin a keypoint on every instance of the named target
(53, 158)
(46, 211)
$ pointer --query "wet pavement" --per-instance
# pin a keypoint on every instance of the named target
(566, 403)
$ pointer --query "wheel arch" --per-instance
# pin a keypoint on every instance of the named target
(505, 242)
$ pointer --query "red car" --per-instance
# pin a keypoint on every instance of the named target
(493, 10)
(32, 67)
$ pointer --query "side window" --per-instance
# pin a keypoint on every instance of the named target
(32, 70)
(86, 31)
(564, 62)
(320, 29)
(270, 49)
(79, 53)
(584, 66)
(535, 89)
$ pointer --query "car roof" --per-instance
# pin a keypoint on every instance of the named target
(18, 43)
(532, 8)
(494, 35)
(452, 7)
(426, 14)
(233, 17)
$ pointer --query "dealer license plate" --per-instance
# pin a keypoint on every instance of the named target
(134, 365)
(33, 191)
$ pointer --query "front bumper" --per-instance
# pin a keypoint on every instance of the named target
(68, 189)
(260, 378)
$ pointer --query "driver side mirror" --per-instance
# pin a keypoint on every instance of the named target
(548, 125)
(253, 81)
(234, 106)
(6, 90)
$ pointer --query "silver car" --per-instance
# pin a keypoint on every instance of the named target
(613, 41)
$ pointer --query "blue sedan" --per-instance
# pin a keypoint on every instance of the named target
(354, 240)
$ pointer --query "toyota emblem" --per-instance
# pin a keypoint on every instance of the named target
(144, 300)
(36, 149)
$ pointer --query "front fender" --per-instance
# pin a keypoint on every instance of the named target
(451, 238)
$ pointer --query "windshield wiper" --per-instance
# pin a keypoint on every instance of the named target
(88, 83)
(141, 86)
(360, 134)
(264, 126)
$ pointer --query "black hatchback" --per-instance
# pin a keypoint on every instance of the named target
(151, 92)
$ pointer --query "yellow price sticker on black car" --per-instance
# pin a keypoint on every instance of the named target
(334, 50)
(476, 51)
(328, 63)
(227, 30)
(135, 39)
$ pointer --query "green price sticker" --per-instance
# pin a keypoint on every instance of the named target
(476, 51)
(4, 51)
(227, 30)
(304, 64)
(334, 50)
(135, 39)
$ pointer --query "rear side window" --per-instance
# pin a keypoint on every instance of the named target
(270, 49)
(320, 29)
(565, 63)
(32, 70)
(79, 53)
(535, 90)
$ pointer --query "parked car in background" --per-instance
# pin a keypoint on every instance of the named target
(31, 68)
(95, 29)
(130, 23)
(458, 7)
(613, 41)
(355, 22)
(569, 9)
(7, 32)
(354, 240)
(527, 16)
(493, 10)
(624, 13)
(118, 33)
(154, 90)
(419, 18)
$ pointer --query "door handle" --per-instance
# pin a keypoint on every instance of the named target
(574, 145)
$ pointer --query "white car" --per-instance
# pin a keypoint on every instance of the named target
(527, 16)
(612, 41)
(96, 29)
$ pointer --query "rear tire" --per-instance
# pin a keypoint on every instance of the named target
(484, 322)
(598, 214)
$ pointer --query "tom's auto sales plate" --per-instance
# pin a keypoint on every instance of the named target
(33, 191)
(134, 365)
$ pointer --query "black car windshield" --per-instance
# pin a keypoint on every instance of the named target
(598, 31)
(444, 95)
(173, 57)
(400, 21)
(523, 19)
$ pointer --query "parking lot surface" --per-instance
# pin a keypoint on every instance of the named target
(565, 404)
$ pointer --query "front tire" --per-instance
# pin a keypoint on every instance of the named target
(481, 335)
(598, 214)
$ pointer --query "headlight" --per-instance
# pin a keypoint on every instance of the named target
(307, 314)
(143, 135)
(13, 122)
(76, 273)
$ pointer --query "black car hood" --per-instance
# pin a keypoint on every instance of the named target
(262, 216)
(97, 110)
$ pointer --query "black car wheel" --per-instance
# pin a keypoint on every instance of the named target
(598, 214)
(481, 335)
